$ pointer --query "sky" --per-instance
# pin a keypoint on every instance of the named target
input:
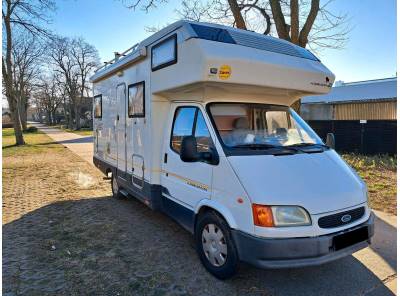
(108, 25)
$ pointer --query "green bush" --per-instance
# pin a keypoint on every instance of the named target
(366, 162)
(31, 129)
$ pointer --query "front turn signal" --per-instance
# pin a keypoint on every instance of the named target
(262, 216)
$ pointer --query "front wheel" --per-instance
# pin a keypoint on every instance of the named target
(215, 246)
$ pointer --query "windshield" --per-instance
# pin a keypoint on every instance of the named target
(251, 125)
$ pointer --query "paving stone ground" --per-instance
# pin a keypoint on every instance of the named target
(64, 235)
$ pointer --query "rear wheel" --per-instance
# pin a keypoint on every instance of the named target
(215, 246)
(115, 187)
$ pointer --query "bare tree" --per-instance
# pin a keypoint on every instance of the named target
(26, 53)
(27, 15)
(64, 64)
(302, 22)
(145, 5)
(48, 97)
(74, 60)
(87, 59)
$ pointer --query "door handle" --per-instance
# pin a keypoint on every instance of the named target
(117, 117)
(165, 157)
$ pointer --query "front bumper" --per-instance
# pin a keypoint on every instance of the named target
(299, 252)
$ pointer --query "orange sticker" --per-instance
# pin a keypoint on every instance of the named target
(224, 72)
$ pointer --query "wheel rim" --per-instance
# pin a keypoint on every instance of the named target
(214, 245)
(114, 185)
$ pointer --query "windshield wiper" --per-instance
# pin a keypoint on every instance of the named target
(308, 145)
(266, 146)
(256, 146)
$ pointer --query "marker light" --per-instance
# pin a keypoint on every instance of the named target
(262, 216)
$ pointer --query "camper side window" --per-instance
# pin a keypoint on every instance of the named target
(189, 121)
(136, 100)
(97, 102)
(164, 53)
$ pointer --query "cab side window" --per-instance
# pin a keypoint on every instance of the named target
(189, 121)
(202, 134)
(183, 126)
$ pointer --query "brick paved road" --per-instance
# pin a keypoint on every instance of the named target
(104, 246)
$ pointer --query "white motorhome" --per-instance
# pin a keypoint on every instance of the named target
(195, 122)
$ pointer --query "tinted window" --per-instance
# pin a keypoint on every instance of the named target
(189, 121)
(212, 33)
(202, 134)
(97, 102)
(136, 100)
(183, 126)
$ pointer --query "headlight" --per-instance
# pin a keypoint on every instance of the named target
(290, 216)
(280, 216)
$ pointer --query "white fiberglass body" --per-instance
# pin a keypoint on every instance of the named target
(197, 118)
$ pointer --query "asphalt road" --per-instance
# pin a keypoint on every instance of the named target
(371, 271)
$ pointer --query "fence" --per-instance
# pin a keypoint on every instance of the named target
(372, 137)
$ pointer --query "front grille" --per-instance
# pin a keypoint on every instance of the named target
(341, 218)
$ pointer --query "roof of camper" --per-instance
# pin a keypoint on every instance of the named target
(378, 89)
(207, 31)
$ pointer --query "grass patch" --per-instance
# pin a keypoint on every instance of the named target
(36, 142)
(81, 132)
(379, 172)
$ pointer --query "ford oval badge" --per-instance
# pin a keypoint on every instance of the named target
(346, 218)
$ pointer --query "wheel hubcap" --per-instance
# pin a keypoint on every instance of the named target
(214, 245)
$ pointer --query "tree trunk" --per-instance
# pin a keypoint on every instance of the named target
(303, 37)
(296, 106)
(294, 21)
(8, 75)
(279, 18)
(77, 118)
(48, 118)
(24, 122)
(19, 138)
(53, 115)
(70, 120)
(24, 113)
(239, 21)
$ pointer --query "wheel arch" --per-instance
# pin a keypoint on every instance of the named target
(210, 205)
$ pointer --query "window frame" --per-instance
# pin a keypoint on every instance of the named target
(101, 106)
(197, 109)
(172, 62)
(138, 115)
(232, 152)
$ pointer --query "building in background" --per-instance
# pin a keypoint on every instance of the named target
(362, 115)
(6, 118)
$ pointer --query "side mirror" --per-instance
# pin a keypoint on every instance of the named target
(210, 157)
(330, 140)
(188, 151)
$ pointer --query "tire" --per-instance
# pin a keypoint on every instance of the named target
(115, 188)
(213, 238)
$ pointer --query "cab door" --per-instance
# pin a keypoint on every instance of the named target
(186, 183)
